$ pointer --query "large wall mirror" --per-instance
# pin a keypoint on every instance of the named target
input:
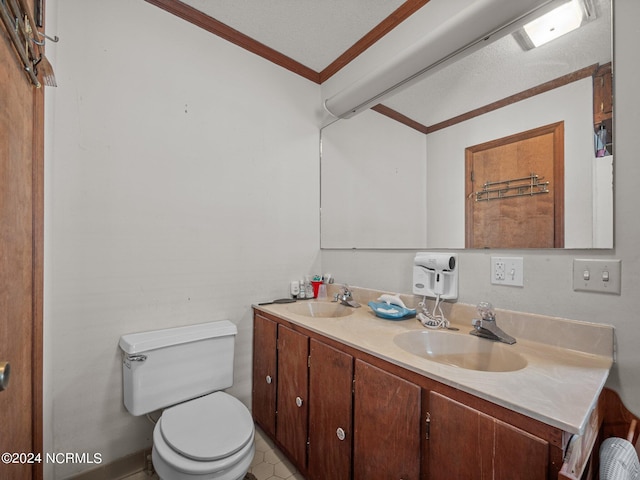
(397, 175)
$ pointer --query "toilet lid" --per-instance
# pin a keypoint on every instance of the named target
(208, 428)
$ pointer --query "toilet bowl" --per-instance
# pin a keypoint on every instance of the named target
(203, 432)
(211, 437)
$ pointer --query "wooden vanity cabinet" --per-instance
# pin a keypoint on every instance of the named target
(330, 413)
(265, 373)
(340, 413)
(466, 443)
(387, 425)
(292, 406)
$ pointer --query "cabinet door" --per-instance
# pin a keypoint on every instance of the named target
(265, 334)
(518, 454)
(602, 94)
(330, 413)
(293, 380)
(465, 443)
(387, 425)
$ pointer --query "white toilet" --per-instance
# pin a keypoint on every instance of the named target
(203, 433)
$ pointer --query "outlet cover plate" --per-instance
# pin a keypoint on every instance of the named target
(602, 275)
(507, 271)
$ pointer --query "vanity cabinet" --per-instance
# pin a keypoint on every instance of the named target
(342, 413)
(387, 425)
(330, 413)
(292, 407)
(265, 373)
(466, 443)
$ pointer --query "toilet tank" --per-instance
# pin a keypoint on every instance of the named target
(161, 368)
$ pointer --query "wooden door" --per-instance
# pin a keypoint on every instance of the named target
(515, 191)
(21, 224)
(386, 425)
(330, 413)
(265, 373)
(465, 443)
(293, 387)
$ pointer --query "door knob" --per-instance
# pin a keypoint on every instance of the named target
(341, 434)
(5, 370)
(298, 401)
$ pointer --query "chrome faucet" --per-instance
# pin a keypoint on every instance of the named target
(486, 326)
(345, 297)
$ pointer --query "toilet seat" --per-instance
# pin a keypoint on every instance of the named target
(208, 428)
(210, 434)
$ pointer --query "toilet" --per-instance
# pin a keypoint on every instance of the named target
(203, 432)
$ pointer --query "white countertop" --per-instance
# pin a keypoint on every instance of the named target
(559, 386)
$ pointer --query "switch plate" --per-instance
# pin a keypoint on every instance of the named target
(507, 271)
(597, 275)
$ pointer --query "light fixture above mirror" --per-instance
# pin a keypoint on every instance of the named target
(464, 31)
(556, 23)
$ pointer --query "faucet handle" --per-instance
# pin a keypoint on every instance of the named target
(486, 311)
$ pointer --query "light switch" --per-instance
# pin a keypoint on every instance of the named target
(597, 275)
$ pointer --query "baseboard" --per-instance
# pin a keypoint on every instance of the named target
(122, 467)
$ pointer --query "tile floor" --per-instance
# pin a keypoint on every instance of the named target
(269, 463)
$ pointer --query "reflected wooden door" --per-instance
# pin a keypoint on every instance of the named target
(515, 191)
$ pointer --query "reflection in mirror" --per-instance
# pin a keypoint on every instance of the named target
(377, 193)
(372, 191)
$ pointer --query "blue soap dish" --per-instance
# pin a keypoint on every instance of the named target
(391, 311)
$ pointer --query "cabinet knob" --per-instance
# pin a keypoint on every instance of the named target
(269, 379)
(341, 434)
(298, 401)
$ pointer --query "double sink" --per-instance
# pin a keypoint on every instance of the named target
(457, 349)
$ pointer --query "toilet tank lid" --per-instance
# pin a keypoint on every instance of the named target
(152, 340)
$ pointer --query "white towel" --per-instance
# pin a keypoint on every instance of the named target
(618, 460)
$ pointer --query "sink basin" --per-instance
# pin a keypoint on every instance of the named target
(320, 309)
(459, 350)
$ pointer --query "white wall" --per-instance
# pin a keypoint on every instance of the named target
(183, 185)
(548, 273)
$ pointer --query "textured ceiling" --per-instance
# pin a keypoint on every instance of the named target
(316, 32)
(312, 32)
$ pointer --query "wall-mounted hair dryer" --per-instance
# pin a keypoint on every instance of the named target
(436, 275)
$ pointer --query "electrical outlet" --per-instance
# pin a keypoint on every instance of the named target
(507, 271)
(597, 275)
(499, 269)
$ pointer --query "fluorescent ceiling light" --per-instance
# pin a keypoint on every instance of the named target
(460, 33)
(563, 19)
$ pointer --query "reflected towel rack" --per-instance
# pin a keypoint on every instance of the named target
(515, 187)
